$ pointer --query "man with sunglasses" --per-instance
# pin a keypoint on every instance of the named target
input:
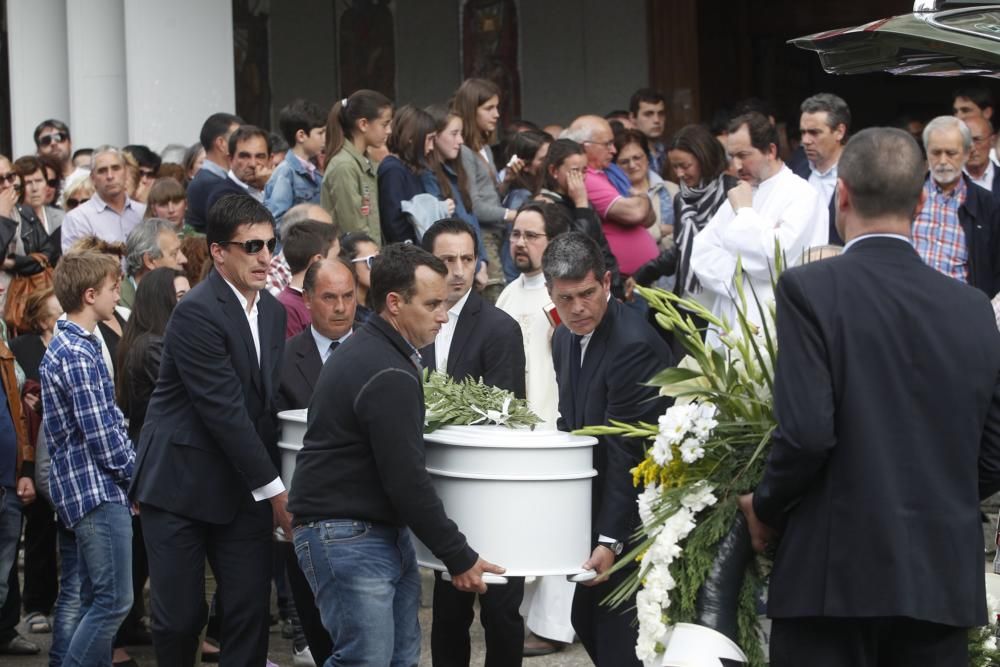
(206, 476)
(52, 138)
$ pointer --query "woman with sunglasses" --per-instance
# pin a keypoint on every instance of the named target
(359, 250)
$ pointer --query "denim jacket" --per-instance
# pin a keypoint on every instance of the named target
(289, 185)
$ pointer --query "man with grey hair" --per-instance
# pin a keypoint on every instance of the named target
(957, 230)
(825, 123)
(875, 474)
(279, 274)
(151, 245)
(110, 214)
(624, 215)
(603, 354)
(980, 168)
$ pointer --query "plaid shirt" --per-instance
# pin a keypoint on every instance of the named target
(91, 454)
(279, 274)
(937, 233)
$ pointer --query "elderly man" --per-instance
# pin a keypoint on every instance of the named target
(624, 215)
(603, 353)
(875, 474)
(771, 210)
(151, 245)
(980, 169)
(824, 124)
(957, 230)
(110, 214)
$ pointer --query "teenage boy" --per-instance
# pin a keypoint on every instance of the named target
(297, 179)
(92, 457)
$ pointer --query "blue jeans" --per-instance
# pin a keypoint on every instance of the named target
(10, 534)
(104, 547)
(367, 588)
(67, 610)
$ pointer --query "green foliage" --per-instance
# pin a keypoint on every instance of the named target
(470, 402)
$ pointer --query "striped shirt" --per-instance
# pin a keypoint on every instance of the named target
(92, 456)
(937, 233)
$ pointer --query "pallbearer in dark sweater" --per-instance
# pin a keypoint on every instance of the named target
(360, 479)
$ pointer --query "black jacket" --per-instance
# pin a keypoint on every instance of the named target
(487, 344)
(624, 352)
(198, 190)
(142, 367)
(363, 452)
(211, 432)
(980, 219)
(888, 404)
(35, 240)
(299, 371)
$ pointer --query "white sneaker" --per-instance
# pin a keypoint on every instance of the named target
(303, 658)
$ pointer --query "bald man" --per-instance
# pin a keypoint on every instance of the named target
(980, 168)
(624, 216)
(279, 274)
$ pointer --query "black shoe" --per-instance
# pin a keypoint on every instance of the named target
(18, 645)
(138, 637)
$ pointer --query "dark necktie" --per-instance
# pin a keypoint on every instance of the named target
(575, 352)
(331, 349)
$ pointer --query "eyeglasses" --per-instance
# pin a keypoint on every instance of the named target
(52, 182)
(368, 260)
(254, 246)
(73, 202)
(47, 139)
(147, 173)
(528, 237)
(9, 178)
(636, 159)
(607, 144)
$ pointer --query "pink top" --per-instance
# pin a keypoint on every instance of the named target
(632, 246)
(295, 308)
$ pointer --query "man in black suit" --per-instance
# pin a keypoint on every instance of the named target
(478, 341)
(329, 292)
(207, 456)
(825, 123)
(215, 140)
(887, 399)
(603, 352)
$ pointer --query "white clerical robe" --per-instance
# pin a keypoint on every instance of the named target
(785, 209)
(548, 601)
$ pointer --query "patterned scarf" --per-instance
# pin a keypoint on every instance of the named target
(698, 205)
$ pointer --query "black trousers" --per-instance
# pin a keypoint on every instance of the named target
(317, 637)
(499, 613)
(866, 642)
(609, 634)
(240, 555)
(132, 625)
(41, 575)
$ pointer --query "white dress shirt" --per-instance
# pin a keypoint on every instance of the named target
(986, 182)
(252, 191)
(275, 486)
(823, 182)
(442, 342)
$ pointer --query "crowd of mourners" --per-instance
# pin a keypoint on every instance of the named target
(118, 236)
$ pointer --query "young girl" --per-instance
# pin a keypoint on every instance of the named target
(350, 191)
(446, 177)
(477, 103)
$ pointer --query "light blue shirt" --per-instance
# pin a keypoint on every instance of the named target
(323, 343)
(96, 218)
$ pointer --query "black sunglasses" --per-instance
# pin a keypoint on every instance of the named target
(9, 178)
(47, 139)
(73, 202)
(254, 246)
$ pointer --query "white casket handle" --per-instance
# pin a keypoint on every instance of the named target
(579, 578)
(488, 579)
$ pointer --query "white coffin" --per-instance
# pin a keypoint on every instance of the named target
(522, 498)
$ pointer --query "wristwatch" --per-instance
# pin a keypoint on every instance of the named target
(616, 546)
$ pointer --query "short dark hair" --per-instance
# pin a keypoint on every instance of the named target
(981, 96)
(227, 214)
(349, 244)
(837, 111)
(144, 156)
(706, 149)
(647, 95)
(883, 169)
(304, 240)
(54, 124)
(394, 270)
(298, 115)
(215, 126)
(82, 151)
(246, 132)
(557, 219)
(762, 133)
(309, 280)
(571, 256)
(276, 143)
(448, 226)
(626, 137)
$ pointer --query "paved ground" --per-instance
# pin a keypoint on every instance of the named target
(281, 649)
